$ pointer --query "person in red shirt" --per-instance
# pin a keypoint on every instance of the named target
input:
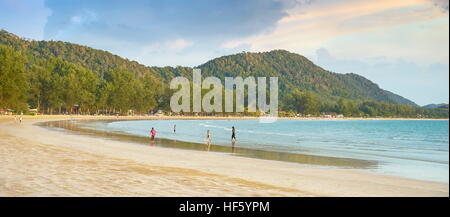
(153, 133)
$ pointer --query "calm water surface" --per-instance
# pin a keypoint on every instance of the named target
(407, 148)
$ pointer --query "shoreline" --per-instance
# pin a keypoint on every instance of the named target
(306, 159)
(50, 163)
(189, 117)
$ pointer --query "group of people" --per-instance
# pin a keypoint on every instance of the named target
(208, 138)
(20, 118)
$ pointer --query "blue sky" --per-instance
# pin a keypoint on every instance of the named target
(401, 45)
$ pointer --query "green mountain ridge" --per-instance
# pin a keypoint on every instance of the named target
(294, 71)
(297, 72)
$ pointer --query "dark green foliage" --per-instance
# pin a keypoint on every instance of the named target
(13, 83)
(302, 102)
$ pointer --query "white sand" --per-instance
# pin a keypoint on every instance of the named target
(38, 162)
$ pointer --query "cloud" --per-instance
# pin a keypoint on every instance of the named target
(140, 29)
(86, 16)
(155, 20)
(168, 46)
(443, 4)
(312, 24)
(179, 44)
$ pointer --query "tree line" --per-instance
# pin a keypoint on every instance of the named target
(56, 86)
(308, 103)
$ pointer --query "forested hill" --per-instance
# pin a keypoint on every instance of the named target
(295, 72)
(56, 76)
(93, 59)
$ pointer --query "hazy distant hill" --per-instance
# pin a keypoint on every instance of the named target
(432, 106)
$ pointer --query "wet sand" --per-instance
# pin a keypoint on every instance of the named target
(39, 162)
(79, 127)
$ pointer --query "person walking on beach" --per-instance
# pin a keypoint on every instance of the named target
(174, 128)
(208, 139)
(153, 133)
(233, 134)
(20, 119)
(152, 136)
(233, 138)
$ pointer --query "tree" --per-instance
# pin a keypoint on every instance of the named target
(309, 103)
(103, 92)
(122, 89)
(146, 89)
(13, 84)
(303, 102)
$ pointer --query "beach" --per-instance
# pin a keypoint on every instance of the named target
(39, 162)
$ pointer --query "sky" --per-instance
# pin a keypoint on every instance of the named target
(401, 45)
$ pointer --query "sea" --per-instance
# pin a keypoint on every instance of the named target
(415, 149)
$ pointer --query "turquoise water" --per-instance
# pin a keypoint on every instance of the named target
(407, 148)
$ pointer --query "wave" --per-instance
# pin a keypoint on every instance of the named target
(248, 131)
